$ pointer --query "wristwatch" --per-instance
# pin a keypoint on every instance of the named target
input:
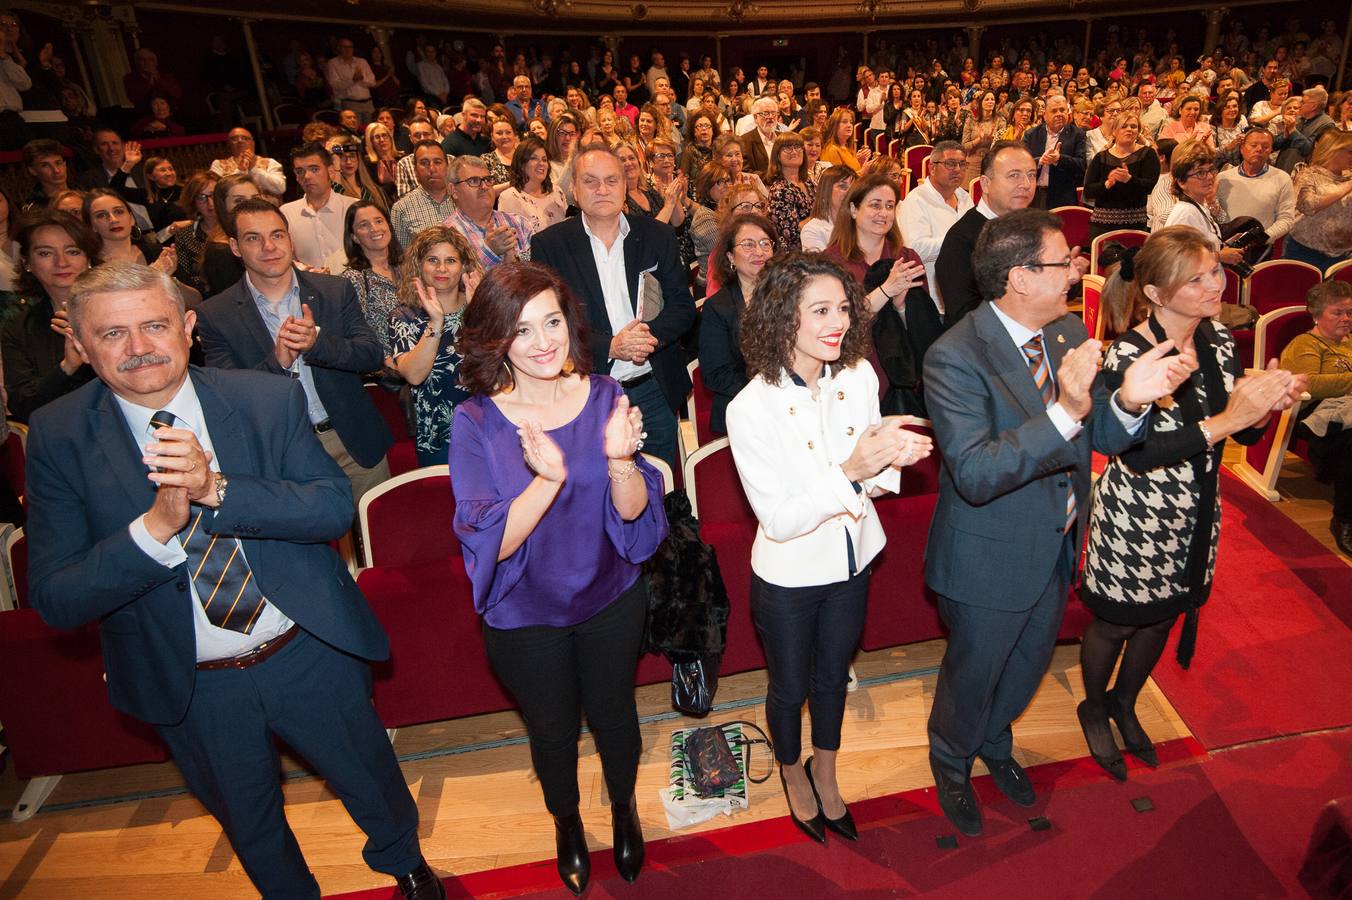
(221, 482)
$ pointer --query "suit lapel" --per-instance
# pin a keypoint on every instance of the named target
(585, 262)
(633, 251)
(1007, 360)
(252, 318)
(232, 451)
(111, 438)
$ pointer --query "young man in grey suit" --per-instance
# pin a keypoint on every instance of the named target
(1017, 409)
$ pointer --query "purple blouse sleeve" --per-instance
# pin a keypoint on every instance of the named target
(480, 510)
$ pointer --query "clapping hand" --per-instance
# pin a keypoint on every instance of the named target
(624, 432)
(1120, 175)
(541, 454)
(471, 281)
(501, 240)
(914, 446)
(1075, 378)
(904, 275)
(167, 261)
(71, 359)
(296, 336)
(1154, 375)
(877, 448)
(1257, 395)
(431, 304)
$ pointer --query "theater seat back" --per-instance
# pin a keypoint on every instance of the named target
(712, 484)
(407, 519)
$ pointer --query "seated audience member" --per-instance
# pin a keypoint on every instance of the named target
(838, 148)
(496, 237)
(117, 159)
(373, 258)
(711, 185)
(1322, 233)
(759, 142)
(1324, 355)
(198, 202)
(640, 198)
(468, 138)
(381, 155)
(738, 198)
(792, 189)
(319, 336)
(1289, 143)
(41, 360)
(419, 129)
(120, 240)
(832, 186)
(266, 172)
(316, 219)
(728, 153)
(46, 165)
(160, 196)
(430, 202)
(160, 122)
(1161, 199)
(745, 244)
(352, 175)
(1314, 117)
(933, 206)
(220, 267)
(532, 194)
(562, 143)
(145, 81)
(1229, 127)
(436, 280)
(1256, 188)
(674, 190)
(701, 128)
(1008, 179)
(1120, 178)
(1194, 172)
(70, 202)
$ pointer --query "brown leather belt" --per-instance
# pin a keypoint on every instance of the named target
(254, 656)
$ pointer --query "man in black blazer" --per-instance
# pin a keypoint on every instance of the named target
(188, 511)
(617, 265)
(308, 326)
(1008, 178)
(759, 141)
(1059, 148)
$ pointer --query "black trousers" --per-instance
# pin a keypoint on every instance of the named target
(809, 635)
(1332, 458)
(557, 673)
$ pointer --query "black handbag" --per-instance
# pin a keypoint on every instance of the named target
(694, 681)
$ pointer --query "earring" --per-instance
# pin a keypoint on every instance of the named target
(511, 382)
(568, 367)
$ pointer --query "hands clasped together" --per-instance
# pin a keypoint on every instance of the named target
(296, 336)
(887, 444)
(181, 470)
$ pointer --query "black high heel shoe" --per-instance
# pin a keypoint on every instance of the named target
(844, 826)
(1144, 752)
(814, 827)
(1114, 765)
(628, 835)
(570, 842)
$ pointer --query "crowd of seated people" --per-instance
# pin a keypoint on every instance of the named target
(437, 171)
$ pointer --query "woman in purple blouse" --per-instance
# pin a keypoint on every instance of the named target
(555, 511)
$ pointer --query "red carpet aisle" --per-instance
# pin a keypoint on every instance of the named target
(1274, 649)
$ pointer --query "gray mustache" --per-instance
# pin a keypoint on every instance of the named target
(145, 359)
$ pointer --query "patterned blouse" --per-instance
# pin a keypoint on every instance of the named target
(497, 169)
(434, 400)
(378, 298)
(190, 241)
(1328, 230)
(790, 205)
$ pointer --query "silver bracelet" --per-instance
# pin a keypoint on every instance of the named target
(1206, 433)
(624, 474)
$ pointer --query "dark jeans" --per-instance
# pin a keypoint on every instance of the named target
(992, 667)
(658, 420)
(557, 673)
(809, 635)
(1332, 458)
(318, 700)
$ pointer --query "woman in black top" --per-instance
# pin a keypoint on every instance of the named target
(1120, 178)
(745, 244)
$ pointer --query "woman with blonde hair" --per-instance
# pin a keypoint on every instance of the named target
(839, 147)
(1119, 179)
(1322, 234)
(381, 154)
(437, 278)
(1020, 120)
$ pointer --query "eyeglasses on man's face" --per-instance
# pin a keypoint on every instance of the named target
(1063, 264)
(475, 181)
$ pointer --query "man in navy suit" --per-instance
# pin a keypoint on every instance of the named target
(1017, 408)
(309, 326)
(188, 511)
(1059, 148)
(613, 263)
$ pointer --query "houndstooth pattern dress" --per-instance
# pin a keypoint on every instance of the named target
(1149, 501)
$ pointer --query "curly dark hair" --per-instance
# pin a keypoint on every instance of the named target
(489, 326)
(723, 270)
(771, 321)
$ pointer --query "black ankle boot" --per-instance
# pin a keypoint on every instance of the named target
(571, 843)
(628, 834)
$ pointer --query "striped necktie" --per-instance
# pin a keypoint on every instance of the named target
(1042, 378)
(220, 573)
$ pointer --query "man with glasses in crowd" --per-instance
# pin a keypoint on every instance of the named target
(760, 140)
(934, 206)
(265, 172)
(430, 202)
(497, 237)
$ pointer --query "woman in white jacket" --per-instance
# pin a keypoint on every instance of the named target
(811, 449)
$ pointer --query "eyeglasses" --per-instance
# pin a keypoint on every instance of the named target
(663, 156)
(205, 197)
(747, 204)
(1338, 313)
(475, 181)
(1064, 264)
(951, 164)
(1202, 173)
(748, 245)
(347, 150)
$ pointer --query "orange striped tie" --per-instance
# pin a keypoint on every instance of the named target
(1042, 378)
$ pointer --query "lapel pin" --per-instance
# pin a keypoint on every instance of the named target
(1060, 338)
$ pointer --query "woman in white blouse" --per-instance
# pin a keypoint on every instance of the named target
(1194, 174)
(811, 449)
(533, 194)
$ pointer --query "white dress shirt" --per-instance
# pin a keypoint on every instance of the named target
(349, 78)
(789, 447)
(924, 219)
(266, 173)
(615, 293)
(317, 233)
(212, 642)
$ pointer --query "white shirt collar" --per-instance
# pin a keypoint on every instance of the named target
(986, 210)
(1020, 334)
(624, 228)
(184, 405)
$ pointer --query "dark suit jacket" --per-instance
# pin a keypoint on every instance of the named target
(1068, 173)
(998, 527)
(286, 498)
(650, 247)
(753, 151)
(721, 365)
(234, 337)
(953, 267)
